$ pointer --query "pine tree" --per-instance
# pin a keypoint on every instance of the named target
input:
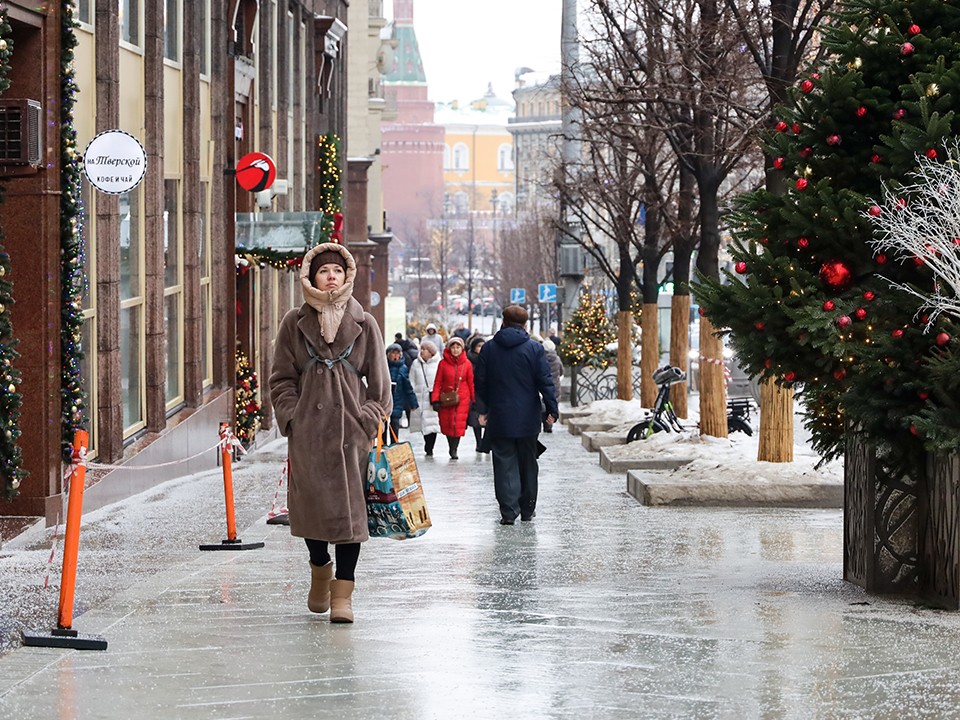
(588, 332)
(810, 301)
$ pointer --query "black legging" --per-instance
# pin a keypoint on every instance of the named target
(347, 556)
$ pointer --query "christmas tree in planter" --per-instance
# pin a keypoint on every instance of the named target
(810, 301)
(587, 333)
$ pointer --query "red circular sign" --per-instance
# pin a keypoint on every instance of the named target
(256, 171)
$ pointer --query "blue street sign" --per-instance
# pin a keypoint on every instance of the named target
(518, 296)
(547, 293)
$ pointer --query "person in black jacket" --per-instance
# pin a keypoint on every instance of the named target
(404, 398)
(511, 381)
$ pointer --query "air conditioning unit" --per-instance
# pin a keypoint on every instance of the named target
(572, 261)
(20, 125)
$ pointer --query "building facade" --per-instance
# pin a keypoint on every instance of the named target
(199, 83)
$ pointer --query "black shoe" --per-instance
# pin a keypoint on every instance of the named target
(428, 453)
(453, 456)
(528, 518)
(507, 521)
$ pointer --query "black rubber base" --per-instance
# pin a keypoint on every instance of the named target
(58, 638)
(281, 519)
(233, 545)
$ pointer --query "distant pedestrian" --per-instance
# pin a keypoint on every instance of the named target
(556, 372)
(554, 338)
(433, 336)
(404, 399)
(474, 345)
(453, 393)
(513, 379)
(423, 374)
(461, 331)
(330, 389)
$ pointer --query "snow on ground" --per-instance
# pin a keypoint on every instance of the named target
(732, 459)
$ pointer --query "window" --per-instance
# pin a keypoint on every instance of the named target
(171, 30)
(446, 157)
(132, 357)
(82, 11)
(130, 21)
(505, 158)
(461, 157)
(172, 292)
(206, 295)
(461, 203)
(88, 331)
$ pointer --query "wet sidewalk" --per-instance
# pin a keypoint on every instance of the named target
(599, 608)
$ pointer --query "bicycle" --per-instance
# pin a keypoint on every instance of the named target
(664, 419)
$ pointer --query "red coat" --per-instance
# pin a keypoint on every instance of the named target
(453, 419)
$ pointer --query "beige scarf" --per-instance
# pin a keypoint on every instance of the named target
(330, 306)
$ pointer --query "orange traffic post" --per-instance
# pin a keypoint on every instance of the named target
(64, 635)
(232, 542)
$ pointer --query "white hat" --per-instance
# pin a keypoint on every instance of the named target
(431, 326)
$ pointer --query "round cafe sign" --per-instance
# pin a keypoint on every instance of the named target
(115, 162)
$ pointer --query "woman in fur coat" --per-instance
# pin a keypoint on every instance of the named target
(324, 351)
(455, 373)
(423, 373)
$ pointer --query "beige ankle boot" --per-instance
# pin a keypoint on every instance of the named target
(318, 600)
(341, 606)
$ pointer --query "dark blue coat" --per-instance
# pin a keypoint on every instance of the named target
(404, 398)
(512, 376)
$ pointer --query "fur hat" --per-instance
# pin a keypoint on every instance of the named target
(515, 316)
(323, 258)
(394, 347)
(455, 340)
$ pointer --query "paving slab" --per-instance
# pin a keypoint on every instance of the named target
(652, 488)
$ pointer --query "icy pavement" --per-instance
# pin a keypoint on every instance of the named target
(599, 608)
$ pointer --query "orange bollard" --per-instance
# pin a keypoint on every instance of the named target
(64, 636)
(232, 542)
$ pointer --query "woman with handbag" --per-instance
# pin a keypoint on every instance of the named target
(453, 393)
(423, 375)
(330, 388)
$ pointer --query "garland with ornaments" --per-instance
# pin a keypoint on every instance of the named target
(11, 458)
(330, 198)
(72, 277)
(248, 413)
(809, 300)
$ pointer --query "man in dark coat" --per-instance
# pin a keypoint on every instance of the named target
(512, 378)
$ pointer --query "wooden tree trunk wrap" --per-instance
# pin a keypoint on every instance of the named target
(649, 355)
(679, 349)
(624, 356)
(776, 423)
(713, 390)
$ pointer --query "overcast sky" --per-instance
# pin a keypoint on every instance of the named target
(467, 45)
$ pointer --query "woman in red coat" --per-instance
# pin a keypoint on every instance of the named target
(455, 374)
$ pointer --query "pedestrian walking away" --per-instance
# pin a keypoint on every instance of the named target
(474, 345)
(404, 398)
(330, 389)
(556, 372)
(453, 393)
(423, 374)
(513, 379)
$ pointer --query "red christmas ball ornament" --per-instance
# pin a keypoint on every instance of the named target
(900, 114)
(790, 376)
(803, 243)
(913, 430)
(836, 274)
(759, 325)
(924, 319)
(796, 128)
(740, 267)
(881, 259)
(833, 140)
(765, 240)
(844, 321)
(778, 163)
(801, 184)
(875, 159)
(913, 29)
(898, 333)
(829, 306)
(931, 153)
(700, 312)
(806, 86)
(806, 152)
(860, 313)
(942, 339)
(815, 76)
(861, 111)
(768, 363)
(956, 241)
(907, 49)
(874, 210)
(781, 126)
(869, 295)
(840, 373)
(901, 203)
(923, 395)
(917, 260)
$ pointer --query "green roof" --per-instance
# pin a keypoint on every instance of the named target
(409, 67)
